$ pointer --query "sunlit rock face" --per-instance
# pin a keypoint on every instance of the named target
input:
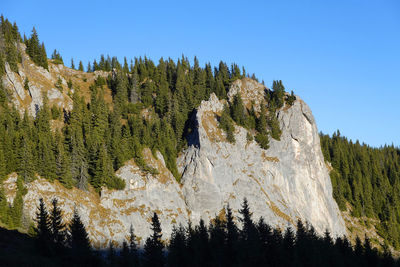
(286, 182)
(289, 181)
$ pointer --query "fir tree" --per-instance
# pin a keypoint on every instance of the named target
(80, 67)
(153, 248)
(225, 122)
(238, 110)
(72, 64)
(43, 232)
(57, 227)
(78, 238)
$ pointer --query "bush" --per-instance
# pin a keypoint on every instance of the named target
(262, 140)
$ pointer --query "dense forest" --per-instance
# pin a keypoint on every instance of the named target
(151, 107)
(97, 138)
(222, 243)
(368, 179)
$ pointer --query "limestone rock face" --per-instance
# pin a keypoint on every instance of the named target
(286, 182)
(109, 216)
(282, 184)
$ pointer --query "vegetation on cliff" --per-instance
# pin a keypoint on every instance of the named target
(368, 179)
(222, 243)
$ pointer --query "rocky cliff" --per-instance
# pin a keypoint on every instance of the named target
(282, 184)
(289, 181)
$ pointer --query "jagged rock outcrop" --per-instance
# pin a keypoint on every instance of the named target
(43, 82)
(286, 182)
(109, 216)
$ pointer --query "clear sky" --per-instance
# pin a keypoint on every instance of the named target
(341, 57)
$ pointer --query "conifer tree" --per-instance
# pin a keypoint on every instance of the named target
(225, 122)
(232, 237)
(279, 93)
(80, 67)
(153, 248)
(26, 167)
(261, 125)
(238, 110)
(3, 170)
(3, 206)
(57, 57)
(57, 226)
(43, 232)
(78, 238)
(177, 247)
(72, 64)
(133, 252)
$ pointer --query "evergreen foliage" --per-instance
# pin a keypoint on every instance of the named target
(43, 232)
(57, 59)
(79, 239)
(9, 44)
(57, 226)
(222, 243)
(36, 51)
(225, 122)
(368, 179)
(80, 66)
(153, 248)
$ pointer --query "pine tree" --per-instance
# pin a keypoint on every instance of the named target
(72, 64)
(57, 59)
(3, 206)
(26, 167)
(42, 230)
(177, 247)
(57, 227)
(248, 235)
(232, 237)
(3, 166)
(133, 252)
(238, 110)
(80, 67)
(78, 238)
(261, 125)
(153, 248)
(225, 122)
(279, 93)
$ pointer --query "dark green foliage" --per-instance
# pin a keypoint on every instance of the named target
(153, 248)
(238, 110)
(26, 84)
(261, 126)
(78, 238)
(36, 51)
(290, 99)
(58, 84)
(80, 67)
(368, 179)
(43, 232)
(177, 246)
(9, 46)
(3, 206)
(225, 123)
(220, 244)
(57, 59)
(263, 140)
(57, 226)
(278, 93)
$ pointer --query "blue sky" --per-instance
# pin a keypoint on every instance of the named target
(341, 57)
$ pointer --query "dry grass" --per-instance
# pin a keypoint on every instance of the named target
(271, 204)
(267, 158)
(210, 125)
